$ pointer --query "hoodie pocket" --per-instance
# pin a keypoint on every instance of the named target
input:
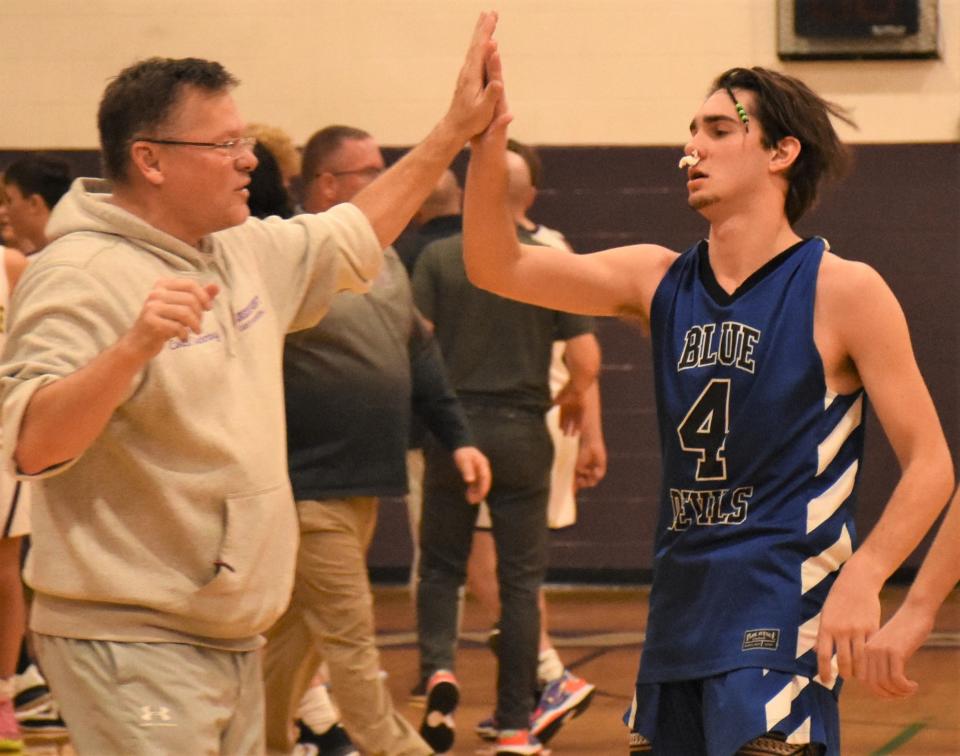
(254, 566)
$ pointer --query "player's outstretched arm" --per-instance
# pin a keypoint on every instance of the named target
(614, 282)
(890, 649)
(390, 201)
(866, 320)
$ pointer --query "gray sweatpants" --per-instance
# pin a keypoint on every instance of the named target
(155, 699)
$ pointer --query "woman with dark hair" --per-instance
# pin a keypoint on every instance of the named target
(268, 195)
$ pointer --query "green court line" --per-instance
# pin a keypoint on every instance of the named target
(900, 739)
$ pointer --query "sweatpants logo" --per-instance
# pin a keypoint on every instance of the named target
(156, 716)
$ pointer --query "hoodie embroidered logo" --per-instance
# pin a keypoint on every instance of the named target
(156, 716)
(249, 313)
(202, 338)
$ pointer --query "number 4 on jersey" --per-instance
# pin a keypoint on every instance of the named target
(704, 429)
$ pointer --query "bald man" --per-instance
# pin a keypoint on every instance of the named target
(497, 354)
(438, 218)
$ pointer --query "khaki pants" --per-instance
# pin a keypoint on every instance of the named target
(414, 502)
(331, 618)
(155, 699)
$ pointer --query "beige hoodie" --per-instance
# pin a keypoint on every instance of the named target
(177, 524)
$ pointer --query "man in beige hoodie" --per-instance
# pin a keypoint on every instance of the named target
(142, 390)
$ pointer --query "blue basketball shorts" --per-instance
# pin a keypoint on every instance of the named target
(716, 716)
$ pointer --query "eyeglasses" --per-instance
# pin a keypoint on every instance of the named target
(232, 147)
(371, 173)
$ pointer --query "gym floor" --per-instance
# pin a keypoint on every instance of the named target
(599, 633)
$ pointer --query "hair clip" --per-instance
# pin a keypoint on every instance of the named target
(741, 111)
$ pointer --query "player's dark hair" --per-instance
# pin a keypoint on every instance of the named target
(785, 106)
(141, 98)
(45, 175)
(268, 195)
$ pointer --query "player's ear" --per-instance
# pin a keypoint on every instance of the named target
(36, 203)
(784, 154)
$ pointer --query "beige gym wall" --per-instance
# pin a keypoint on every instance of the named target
(578, 71)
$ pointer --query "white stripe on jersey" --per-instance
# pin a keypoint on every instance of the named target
(817, 567)
(807, 635)
(820, 508)
(828, 448)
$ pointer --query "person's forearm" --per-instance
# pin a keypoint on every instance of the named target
(64, 418)
(940, 571)
(490, 244)
(390, 202)
(919, 497)
(582, 358)
(591, 429)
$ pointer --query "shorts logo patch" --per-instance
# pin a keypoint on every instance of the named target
(766, 638)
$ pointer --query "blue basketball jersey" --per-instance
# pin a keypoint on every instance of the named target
(760, 465)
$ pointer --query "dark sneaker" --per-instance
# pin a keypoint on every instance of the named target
(30, 691)
(493, 640)
(418, 693)
(43, 721)
(517, 741)
(487, 729)
(443, 695)
(334, 742)
(563, 699)
(639, 744)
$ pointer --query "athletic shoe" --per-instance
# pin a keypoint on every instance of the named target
(30, 691)
(563, 699)
(487, 729)
(418, 693)
(43, 722)
(334, 742)
(493, 640)
(11, 740)
(639, 744)
(517, 741)
(443, 695)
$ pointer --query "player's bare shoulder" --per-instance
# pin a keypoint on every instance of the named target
(15, 262)
(856, 313)
(849, 288)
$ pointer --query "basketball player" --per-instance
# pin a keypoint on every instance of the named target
(765, 348)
